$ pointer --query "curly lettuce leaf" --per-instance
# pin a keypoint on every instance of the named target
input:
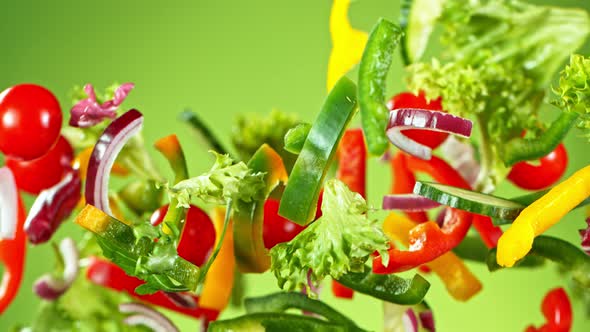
(339, 242)
(226, 181)
(573, 91)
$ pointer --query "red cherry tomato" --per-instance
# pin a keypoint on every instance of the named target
(30, 121)
(429, 138)
(198, 234)
(44, 172)
(535, 177)
(276, 228)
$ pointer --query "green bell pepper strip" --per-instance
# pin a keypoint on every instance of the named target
(387, 287)
(300, 197)
(565, 254)
(472, 248)
(200, 127)
(251, 255)
(283, 301)
(170, 148)
(521, 149)
(141, 196)
(273, 322)
(375, 64)
(296, 136)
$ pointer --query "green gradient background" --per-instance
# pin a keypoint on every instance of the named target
(222, 58)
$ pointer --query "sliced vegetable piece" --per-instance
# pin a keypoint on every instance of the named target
(8, 201)
(48, 287)
(404, 181)
(408, 202)
(424, 119)
(12, 253)
(557, 310)
(299, 199)
(459, 281)
(89, 112)
(261, 322)
(468, 200)
(195, 121)
(375, 63)
(146, 316)
(347, 43)
(296, 136)
(585, 234)
(417, 21)
(52, 207)
(219, 282)
(535, 219)
(542, 175)
(390, 288)
(251, 255)
(104, 154)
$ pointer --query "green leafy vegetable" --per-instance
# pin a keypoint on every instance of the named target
(574, 89)
(339, 242)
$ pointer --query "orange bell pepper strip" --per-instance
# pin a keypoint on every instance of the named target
(352, 170)
(348, 43)
(459, 281)
(219, 282)
(12, 256)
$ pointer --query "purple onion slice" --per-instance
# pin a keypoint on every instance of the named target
(49, 287)
(105, 152)
(416, 118)
(427, 320)
(146, 316)
(410, 321)
(408, 202)
(8, 204)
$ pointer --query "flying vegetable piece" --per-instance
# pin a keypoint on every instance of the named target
(340, 241)
(276, 322)
(459, 281)
(195, 121)
(89, 112)
(545, 212)
(347, 43)
(377, 58)
(296, 136)
(298, 203)
(251, 255)
(557, 310)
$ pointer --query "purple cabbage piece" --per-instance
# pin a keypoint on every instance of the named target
(585, 233)
(89, 112)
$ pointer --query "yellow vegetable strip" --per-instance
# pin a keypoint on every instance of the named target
(545, 212)
(459, 281)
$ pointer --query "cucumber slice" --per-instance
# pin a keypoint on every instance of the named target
(487, 205)
(417, 21)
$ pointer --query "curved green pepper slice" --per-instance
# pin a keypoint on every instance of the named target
(273, 322)
(375, 64)
(299, 200)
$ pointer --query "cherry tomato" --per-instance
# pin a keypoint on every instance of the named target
(198, 234)
(44, 172)
(535, 177)
(30, 121)
(276, 228)
(429, 138)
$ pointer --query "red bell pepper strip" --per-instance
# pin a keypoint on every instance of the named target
(109, 275)
(403, 183)
(427, 242)
(443, 173)
(352, 170)
(557, 310)
(12, 255)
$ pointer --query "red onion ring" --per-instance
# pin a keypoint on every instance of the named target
(427, 320)
(408, 202)
(181, 300)
(50, 288)
(410, 321)
(8, 204)
(416, 118)
(144, 315)
(462, 157)
(105, 152)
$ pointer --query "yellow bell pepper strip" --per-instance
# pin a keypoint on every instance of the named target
(545, 212)
(375, 63)
(459, 281)
(251, 255)
(300, 197)
(170, 147)
(347, 43)
(217, 288)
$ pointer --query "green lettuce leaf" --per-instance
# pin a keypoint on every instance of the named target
(341, 241)
(573, 90)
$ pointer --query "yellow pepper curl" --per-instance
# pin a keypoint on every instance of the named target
(545, 212)
(459, 281)
(347, 43)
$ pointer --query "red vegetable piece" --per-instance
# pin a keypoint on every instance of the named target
(30, 121)
(276, 228)
(44, 172)
(542, 175)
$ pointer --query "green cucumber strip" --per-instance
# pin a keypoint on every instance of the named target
(468, 200)
(417, 22)
(300, 197)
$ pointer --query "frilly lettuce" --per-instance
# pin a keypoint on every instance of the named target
(339, 242)
(226, 181)
(574, 89)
